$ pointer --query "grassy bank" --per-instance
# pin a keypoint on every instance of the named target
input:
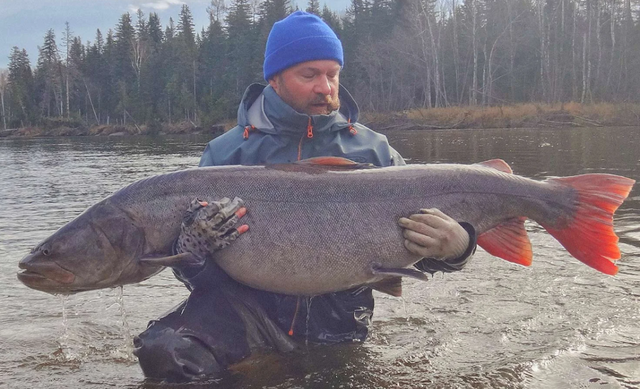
(513, 116)
(529, 115)
(112, 130)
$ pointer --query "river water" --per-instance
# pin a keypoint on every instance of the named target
(556, 324)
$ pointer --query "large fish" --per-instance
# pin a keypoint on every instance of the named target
(327, 224)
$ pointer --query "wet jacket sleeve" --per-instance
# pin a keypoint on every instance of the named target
(432, 265)
(209, 276)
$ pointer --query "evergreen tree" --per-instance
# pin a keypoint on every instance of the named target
(184, 72)
(96, 76)
(108, 79)
(213, 64)
(271, 12)
(332, 19)
(48, 80)
(153, 79)
(21, 89)
(155, 31)
(76, 90)
(313, 7)
(122, 50)
(244, 60)
(186, 28)
(122, 69)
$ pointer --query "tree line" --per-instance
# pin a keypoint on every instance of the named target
(399, 55)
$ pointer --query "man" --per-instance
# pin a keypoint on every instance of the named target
(304, 112)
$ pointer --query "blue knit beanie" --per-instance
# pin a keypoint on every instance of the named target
(299, 37)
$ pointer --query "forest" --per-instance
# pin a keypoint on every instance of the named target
(399, 55)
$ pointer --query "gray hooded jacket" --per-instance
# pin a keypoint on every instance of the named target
(270, 131)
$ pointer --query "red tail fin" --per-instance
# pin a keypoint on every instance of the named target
(589, 235)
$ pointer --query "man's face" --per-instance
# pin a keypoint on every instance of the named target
(310, 87)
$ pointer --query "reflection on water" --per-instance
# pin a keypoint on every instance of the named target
(557, 324)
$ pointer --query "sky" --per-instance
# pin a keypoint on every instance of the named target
(23, 23)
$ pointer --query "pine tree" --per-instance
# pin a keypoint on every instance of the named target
(155, 31)
(271, 12)
(313, 7)
(76, 69)
(244, 60)
(96, 76)
(122, 50)
(332, 19)
(184, 70)
(48, 80)
(212, 74)
(20, 82)
(186, 28)
(122, 68)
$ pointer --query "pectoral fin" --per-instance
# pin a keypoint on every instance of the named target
(184, 259)
(401, 272)
(392, 283)
(391, 286)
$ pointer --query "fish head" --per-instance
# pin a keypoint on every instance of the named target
(99, 249)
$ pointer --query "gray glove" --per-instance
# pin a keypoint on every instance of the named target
(432, 234)
(208, 227)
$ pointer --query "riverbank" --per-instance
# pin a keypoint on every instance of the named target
(111, 130)
(530, 115)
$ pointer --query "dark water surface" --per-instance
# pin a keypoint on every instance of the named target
(557, 324)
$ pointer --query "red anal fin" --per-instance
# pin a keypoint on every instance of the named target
(589, 234)
(497, 164)
(508, 241)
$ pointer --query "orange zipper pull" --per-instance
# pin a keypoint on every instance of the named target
(309, 129)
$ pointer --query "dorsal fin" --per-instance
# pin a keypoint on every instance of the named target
(329, 161)
(336, 163)
(320, 165)
(508, 241)
(497, 164)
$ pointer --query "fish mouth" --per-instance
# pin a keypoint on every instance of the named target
(45, 276)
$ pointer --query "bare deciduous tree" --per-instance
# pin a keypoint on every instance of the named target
(3, 87)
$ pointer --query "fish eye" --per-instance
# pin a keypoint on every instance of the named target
(46, 252)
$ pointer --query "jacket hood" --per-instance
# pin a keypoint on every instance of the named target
(262, 108)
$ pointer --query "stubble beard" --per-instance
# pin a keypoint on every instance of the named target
(326, 100)
(331, 103)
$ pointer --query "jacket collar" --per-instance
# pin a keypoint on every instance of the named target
(262, 108)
